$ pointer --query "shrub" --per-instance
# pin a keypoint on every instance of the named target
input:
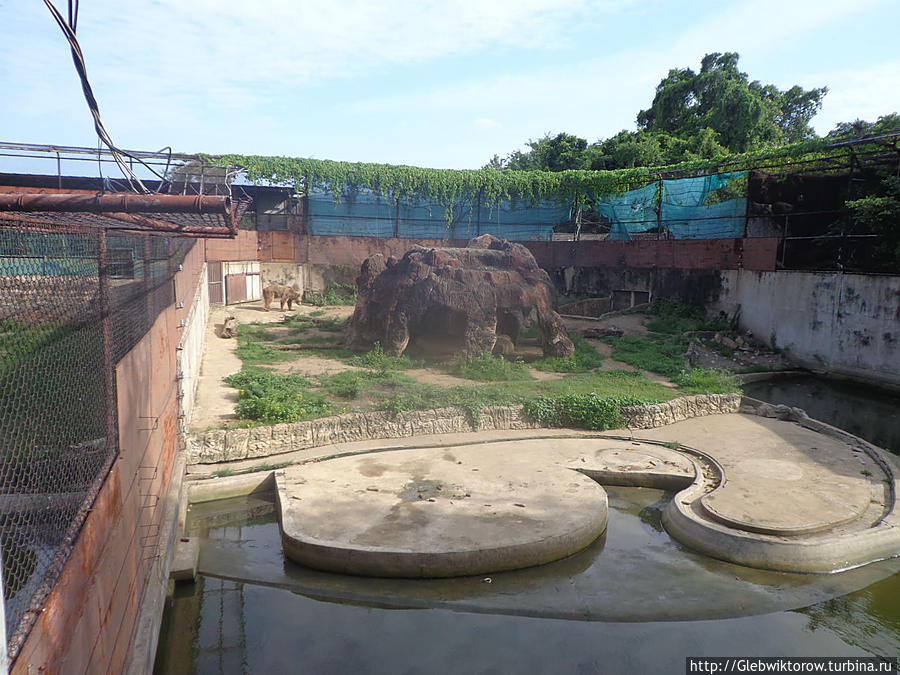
(588, 411)
(267, 397)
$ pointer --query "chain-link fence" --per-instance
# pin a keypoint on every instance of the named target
(72, 304)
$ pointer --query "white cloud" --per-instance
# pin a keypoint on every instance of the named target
(485, 124)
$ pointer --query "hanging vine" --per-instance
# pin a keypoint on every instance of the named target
(447, 186)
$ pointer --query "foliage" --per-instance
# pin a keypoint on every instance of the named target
(676, 317)
(488, 368)
(584, 359)
(742, 113)
(860, 128)
(335, 294)
(878, 214)
(444, 186)
(707, 381)
(588, 411)
(378, 359)
(658, 353)
(271, 398)
(557, 153)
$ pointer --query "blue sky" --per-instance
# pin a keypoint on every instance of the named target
(438, 83)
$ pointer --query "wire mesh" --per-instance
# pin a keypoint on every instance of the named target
(72, 304)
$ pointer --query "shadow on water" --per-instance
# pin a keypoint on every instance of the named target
(635, 600)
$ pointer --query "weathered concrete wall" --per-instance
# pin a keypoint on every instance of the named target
(243, 247)
(847, 324)
(190, 350)
(285, 274)
(234, 444)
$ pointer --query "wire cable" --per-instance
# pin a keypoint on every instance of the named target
(78, 57)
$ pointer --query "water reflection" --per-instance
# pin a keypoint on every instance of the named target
(634, 601)
(864, 411)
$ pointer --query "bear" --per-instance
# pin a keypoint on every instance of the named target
(286, 294)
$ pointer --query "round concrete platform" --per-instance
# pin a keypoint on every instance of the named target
(427, 513)
(760, 492)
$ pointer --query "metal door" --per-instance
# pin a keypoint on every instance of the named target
(214, 280)
(235, 288)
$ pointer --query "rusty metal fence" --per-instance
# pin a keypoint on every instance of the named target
(72, 304)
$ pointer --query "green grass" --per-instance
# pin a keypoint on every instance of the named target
(335, 294)
(658, 353)
(255, 331)
(586, 411)
(584, 359)
(488, 368)
(257, 354)
(267, 397)
(351, 384)
(675, 317)
(707, 381)
(378, 359)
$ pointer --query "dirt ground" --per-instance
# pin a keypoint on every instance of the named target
(215, 402)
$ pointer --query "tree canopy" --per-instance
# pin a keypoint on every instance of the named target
(693, 116)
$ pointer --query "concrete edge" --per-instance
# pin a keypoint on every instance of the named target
(142, 653)
(265, 441)
(230, 486)
(771, 552)
(416, 565)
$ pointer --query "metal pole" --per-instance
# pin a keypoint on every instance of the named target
(109, 364)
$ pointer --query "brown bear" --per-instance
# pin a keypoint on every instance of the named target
(286, 294)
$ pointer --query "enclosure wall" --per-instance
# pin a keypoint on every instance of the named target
(841, 323)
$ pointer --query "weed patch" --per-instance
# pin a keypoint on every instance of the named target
(488, 368)
(587, 411)
(270, 398)
(584, 358)
(335, 294)
(658, 353)
(707, 381)
(378, 359)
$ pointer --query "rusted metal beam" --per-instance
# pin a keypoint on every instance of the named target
(165, 226)
(118, 202)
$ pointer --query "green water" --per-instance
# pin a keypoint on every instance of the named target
(635, 601)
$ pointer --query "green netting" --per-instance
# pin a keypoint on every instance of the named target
(363, 213)
(692, 208)
(705, 207)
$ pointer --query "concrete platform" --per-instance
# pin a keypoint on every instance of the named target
(421, 513)
(759, 492)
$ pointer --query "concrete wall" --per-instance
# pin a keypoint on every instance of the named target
(190, 350)
(848, 324)
(284, 274)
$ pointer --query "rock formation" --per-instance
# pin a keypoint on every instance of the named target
(467, 296)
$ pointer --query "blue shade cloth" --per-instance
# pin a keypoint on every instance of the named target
(360, 213)
(687, 216)
(632, 211)
(364, 213)
(684, 212)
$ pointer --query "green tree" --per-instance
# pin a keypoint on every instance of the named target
(549, 153)
(745, 114)
(859, 128)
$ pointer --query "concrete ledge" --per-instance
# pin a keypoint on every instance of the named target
(235, 444)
